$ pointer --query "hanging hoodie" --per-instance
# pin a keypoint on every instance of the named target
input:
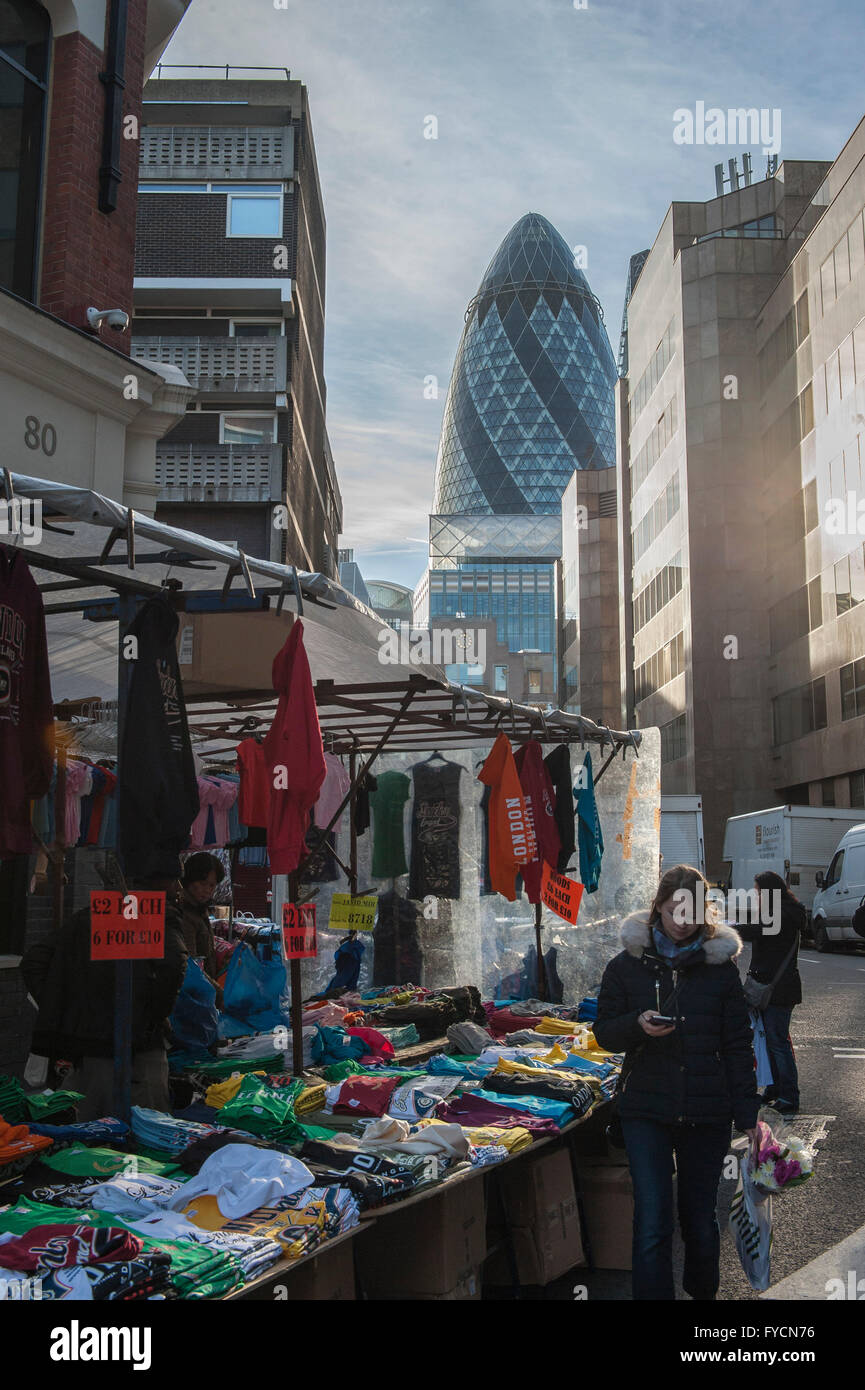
(26, 707)
(293, 746)
(512, 840)
(157, 786)
(589, 836)
(540, 805)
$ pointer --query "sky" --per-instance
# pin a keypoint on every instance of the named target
(539, 107)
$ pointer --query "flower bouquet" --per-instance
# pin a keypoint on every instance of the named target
(779, 1161)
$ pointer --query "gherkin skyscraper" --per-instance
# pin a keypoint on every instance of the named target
(530, 402)
(531, 395)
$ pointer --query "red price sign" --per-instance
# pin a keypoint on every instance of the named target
(298, 931)
(127, 926)
(560, 894)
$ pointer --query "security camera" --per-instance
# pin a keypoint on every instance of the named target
(117, 319)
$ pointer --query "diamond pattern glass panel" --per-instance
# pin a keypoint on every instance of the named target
(531, 396)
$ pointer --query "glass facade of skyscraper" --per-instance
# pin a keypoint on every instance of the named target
(531, 396)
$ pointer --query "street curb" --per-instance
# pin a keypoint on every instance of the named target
(839, 1262)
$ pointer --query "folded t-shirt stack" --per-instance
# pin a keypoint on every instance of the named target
(106, 1130)
(260, 1109)
(77, 1261)
(164, 1133)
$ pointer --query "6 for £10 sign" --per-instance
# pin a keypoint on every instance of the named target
(127, 926)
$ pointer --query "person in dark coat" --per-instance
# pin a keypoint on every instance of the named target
(682, 1083)
(202, 875)
(75, 997)
(768, 951)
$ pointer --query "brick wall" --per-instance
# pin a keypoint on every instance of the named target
(184, 234)
(87, 255)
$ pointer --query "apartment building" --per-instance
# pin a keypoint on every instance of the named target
(230, 288)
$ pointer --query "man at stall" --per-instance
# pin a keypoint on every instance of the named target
(202, 875)
(75, 997)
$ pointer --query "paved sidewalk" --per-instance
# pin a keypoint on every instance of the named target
(844, 1262)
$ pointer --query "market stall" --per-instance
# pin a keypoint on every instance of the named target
(310, 1108)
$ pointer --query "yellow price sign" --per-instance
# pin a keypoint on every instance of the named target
(352, 914)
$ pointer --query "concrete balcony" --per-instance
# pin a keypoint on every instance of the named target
(219, 472)
(236, 366)
(187, 154)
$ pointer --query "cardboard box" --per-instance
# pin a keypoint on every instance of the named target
(434, 1249)
(327, 1278)
(540, 1201)
(608, 1207)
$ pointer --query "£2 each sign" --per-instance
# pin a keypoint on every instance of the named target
(127, 926)
(298, 931)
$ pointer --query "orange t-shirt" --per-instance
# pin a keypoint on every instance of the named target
(512, 839)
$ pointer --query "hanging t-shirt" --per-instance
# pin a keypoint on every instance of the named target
(398, 954)
(558, 765)
(294, 755)
(210, 826)
(26, 707)
(333, 792)
(512, 841)
(591, 840)
(435, 831)
(367, 785)
(388, 846)
(253, 798)
(538, 792)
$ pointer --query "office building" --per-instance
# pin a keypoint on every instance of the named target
(742, 630)
(230, 287)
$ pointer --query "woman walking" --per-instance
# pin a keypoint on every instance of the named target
(773, 952)
(684, 1081)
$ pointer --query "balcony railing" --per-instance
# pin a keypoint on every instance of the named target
(216, 152)
(239, 365)
(219, 472)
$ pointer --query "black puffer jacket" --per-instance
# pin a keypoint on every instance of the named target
(768, 953)
(704, 1072)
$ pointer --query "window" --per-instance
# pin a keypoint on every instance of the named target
(815, 604)
(255, 328)
(247, 429)
(663, 509)
(661, 667)
(253, 210)
(795, 615)
(656, 594)
(827, 791)
(654, 446)
(534, 682)
(500, 680)
(652, 375)
(674, 739)
(803, 319)
(174, 188)
(24, 39)
(849, 583)
(856, 782)
(827, 282)
(799, 711)
(806, 411)
(853, 689)
(835, 868)
(809, 496)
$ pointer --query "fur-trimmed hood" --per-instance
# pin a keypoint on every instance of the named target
(635, 937)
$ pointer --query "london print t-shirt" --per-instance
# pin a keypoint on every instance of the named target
(511, 838)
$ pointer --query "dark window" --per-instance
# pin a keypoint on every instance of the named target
(24, 37)
(835, 868)
(857, 788)
(674, 739)
(800, 711)
(853, 689)
(827, 791)
(812, 516)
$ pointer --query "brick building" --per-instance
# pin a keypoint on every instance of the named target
(73, 408)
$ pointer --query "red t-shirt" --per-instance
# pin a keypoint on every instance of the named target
(541, 806)
(253, 796)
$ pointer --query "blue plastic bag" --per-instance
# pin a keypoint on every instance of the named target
(195, 1020)
(253, 989)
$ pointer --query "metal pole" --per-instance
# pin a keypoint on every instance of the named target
(123, 968)
(542, 974)
(296, 996)
(59, 856)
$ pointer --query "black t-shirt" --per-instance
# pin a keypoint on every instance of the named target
(435, 826)
(558, 765)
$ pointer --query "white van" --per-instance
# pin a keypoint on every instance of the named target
(840, 893)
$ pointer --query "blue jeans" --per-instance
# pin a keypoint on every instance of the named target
(785, 1077)
(700, 1153)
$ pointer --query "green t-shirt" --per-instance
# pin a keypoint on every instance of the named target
(81, 1162)
(388, 845)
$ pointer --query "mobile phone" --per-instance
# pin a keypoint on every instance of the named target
(661, 1018)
